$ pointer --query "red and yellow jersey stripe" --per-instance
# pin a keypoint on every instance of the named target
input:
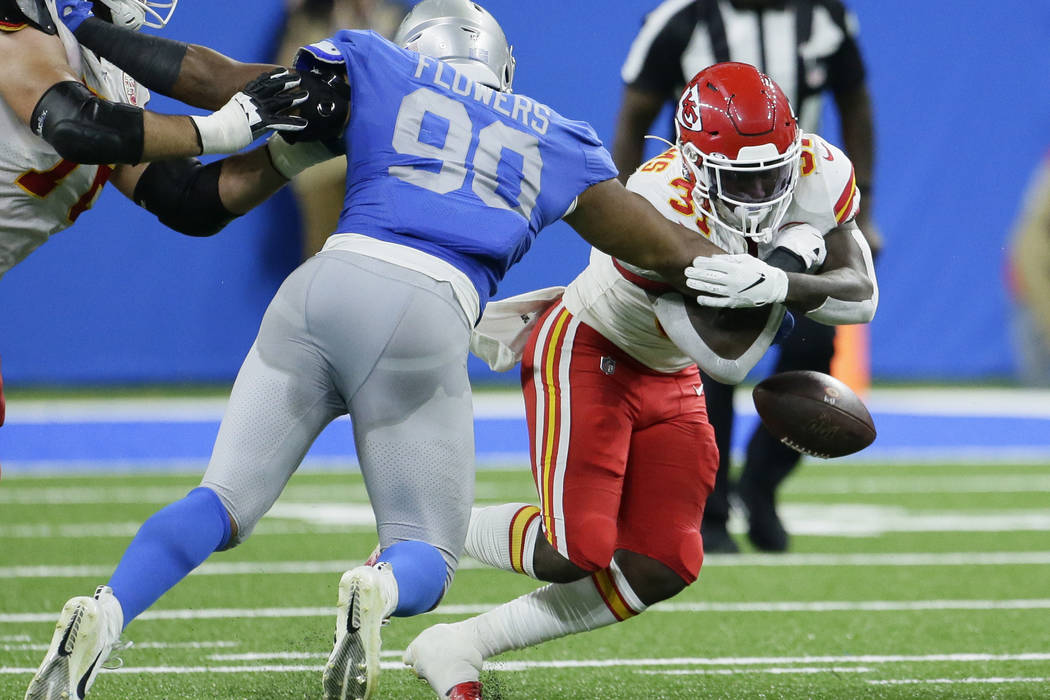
(519, 525)
(611, 595)
(844, 207)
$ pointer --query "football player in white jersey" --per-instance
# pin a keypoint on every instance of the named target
(623, 455)
(73, 121)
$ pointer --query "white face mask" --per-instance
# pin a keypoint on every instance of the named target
(749, 195)
(134, 14)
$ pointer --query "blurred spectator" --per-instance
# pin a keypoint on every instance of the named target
(319, 191)
(1030, 277)
(808, 47)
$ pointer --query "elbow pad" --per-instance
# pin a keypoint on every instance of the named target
(85, 128)
(184, 194)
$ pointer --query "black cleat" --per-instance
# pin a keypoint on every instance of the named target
(717, 540)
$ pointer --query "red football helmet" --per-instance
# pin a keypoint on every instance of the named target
(741, 144)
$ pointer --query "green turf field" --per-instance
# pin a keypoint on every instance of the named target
(912, 582)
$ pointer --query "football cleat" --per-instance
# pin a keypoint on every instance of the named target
(717, 539)
(765, 529)
(466, 691)
(352, 671)
(86, 633)
(446, 657)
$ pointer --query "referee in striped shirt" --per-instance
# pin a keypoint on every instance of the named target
(808, 47)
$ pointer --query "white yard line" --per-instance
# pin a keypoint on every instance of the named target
(699, 607)
(968, 559)
(137, 645)
(960, 681)
(737, 665)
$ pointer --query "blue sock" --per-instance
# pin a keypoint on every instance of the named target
(172, 543)
(421, 573)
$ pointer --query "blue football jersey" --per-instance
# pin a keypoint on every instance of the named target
(451, 167)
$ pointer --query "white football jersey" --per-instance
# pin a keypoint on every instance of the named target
(40, 192)
(604, 298)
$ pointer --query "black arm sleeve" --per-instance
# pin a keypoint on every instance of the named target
(85, 128)
(184, 194)
(151, 60)
(786, 260)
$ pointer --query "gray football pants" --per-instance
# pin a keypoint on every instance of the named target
(347, 333)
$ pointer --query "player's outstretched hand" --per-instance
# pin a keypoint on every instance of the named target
(269, 99)
(264, 103)
(736, 281)
(73, 12)
(326, 110)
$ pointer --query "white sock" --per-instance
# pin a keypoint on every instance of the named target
(388, 585)
(504, 536)
(554, 611)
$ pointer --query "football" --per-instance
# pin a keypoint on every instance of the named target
(814, 413)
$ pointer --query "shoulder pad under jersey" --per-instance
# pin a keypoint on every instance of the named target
(322, 52)
(827, 194)
(653, 180)
(14, 14)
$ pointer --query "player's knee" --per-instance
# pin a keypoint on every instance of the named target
(651, 580)
(593, 542)
(549, 565)
(422, 573)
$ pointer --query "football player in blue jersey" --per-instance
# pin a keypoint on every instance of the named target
(450, 178)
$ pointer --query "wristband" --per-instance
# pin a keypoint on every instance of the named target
(225, 130)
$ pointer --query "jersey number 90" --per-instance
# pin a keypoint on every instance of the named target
(505, 163)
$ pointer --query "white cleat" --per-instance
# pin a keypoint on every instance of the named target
(445, 656)
(86, 632)
(352, 671)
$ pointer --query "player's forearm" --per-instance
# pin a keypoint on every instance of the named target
(200, 200)
(846, 290)
(168, 136)
(190, 73)
(626, 226)
(248, 179)
(208, 79)
(806, 292)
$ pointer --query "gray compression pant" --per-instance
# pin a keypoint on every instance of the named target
(347, 333)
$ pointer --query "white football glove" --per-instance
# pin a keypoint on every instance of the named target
(736, 281)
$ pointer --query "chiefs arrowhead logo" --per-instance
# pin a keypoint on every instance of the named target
(689, 109)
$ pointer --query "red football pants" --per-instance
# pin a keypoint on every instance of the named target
(623, 456)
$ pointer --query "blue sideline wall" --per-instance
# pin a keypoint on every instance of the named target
(963, 115)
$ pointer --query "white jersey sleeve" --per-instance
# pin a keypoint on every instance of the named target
(827, 194)
(41, 193)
